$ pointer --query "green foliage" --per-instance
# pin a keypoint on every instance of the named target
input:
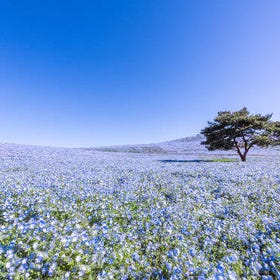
(274, 129)
(240, 131)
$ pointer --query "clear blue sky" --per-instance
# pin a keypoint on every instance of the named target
(91, 73)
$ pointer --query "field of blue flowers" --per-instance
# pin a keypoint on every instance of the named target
(83, 214)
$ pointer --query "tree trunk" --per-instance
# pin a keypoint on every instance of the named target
(243, 157)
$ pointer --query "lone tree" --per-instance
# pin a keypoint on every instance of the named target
(240, 131)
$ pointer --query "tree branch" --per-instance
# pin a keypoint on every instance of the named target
(245, 141)
(238, 149)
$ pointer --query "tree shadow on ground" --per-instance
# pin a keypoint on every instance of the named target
(184, 161)
(197, 160)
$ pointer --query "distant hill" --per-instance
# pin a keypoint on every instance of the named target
(187, 145)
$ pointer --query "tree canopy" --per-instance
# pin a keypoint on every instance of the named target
(274, 129)
(240, 131)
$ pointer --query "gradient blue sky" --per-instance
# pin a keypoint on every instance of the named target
(91, 73)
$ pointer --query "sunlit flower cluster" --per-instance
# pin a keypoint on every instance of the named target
(84, 214)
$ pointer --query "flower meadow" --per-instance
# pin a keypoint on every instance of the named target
(85, 214)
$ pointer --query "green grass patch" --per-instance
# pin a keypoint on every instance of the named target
(223, 160)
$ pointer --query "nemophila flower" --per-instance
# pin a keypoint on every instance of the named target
(231, 259)
(67, 275)
(8, 265)
(168, 266)
(117, 215)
